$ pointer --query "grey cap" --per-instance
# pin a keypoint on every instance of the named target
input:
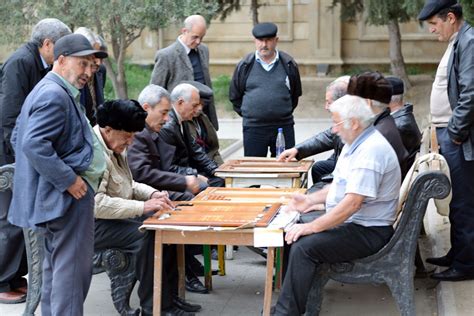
(204, 91)
(265, 30)
(76, 45)
(432, 7)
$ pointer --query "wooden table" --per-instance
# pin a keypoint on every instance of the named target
(248, 171)
(165, 234)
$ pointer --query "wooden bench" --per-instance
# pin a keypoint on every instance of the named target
(392, 265)
(118, 265)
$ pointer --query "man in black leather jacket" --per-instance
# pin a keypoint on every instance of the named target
(189, 158)
(323, 141)
(404, 119)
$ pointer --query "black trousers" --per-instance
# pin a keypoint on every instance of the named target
(257, 140)
(322, 168)
(343, 243)
(124, 234)
(461, 209)
(13, 265)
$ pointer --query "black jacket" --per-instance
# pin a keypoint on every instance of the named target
(18, 76)
(385, 124)
(319, 143)
(86, 96)
(242, 71)
(188, 153)
(409, 131)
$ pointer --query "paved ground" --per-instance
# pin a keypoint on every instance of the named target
(240, 292)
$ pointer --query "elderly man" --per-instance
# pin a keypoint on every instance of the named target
(452, 109)
(402, 114)
(186, 59)
(18, 76)
(59, 164)
(360, 205)
(92, 95)
(122, 204)
(323, 141)
(189, 158)
(378, 92)
(264, 90)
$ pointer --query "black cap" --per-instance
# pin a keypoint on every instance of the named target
(432, 7)
(75, 45)
(265, 30)
(204, 91)
(370, 85)
(397, 85)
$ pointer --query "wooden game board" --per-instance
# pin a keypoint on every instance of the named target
(222, 214)
(264, 165)
(246, 195)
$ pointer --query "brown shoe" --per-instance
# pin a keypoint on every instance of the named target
(12, 297)
(22, 289)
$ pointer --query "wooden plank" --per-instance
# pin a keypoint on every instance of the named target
(269, 165)
(267, 300)
(157, 277)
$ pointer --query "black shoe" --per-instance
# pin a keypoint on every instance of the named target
(196, 286)
(175, 311)
(440, 261)
(186, 306)
(260, 251)
(453, 274)
(201, 272)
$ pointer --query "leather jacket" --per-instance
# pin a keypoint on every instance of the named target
(409, 131)
(319, 143)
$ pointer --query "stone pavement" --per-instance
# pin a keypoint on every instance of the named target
(240, 292)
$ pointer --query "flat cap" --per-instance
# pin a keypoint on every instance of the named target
(370, 85)
(397, 85)
(432, 7)
(265, 30)
(204, 91)
(76, 45)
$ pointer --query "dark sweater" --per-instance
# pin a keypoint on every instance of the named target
(267, 99)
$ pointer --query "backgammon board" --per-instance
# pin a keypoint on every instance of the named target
(222, 214)
(264, 165)
(247, 195)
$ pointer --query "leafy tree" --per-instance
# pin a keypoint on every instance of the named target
(226, 7)
(389, 13)
(120, 22)
(468, 10)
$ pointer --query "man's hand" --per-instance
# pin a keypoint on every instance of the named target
(155, 205)
(296, 231)
(163, 196)
(78, 189)
(192, 184)
(288, 155)
(300, 203)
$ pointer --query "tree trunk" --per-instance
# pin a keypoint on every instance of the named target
(397, 63)
(254, 9)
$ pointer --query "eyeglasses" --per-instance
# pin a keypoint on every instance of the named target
(337, 124)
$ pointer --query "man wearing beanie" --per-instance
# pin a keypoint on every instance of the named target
(59, 164)
(378, 91)
(452, 112)
(264, 90)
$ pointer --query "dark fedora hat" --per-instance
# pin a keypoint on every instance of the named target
(432, 7)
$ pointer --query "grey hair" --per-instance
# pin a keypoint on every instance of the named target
(152, 94)
(193, 19)
(352, 107)
(103, 44)
(379, 104)
(50, 28)
(183, 90)
(338, 88)
(91, 36)
(398, 98)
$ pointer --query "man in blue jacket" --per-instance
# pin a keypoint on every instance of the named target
(59, 164)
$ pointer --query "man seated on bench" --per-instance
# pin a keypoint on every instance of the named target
(360, 203)
(122, 204)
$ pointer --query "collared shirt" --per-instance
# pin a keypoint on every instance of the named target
(186, 48)
(94, 172)
(368, 167)
(267, 66)
(439, 102)
(45, 64)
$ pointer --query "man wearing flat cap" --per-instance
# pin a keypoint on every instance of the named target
(264, 90)
(373, 87)
(452, 112)
(59, 164)
(402, 114)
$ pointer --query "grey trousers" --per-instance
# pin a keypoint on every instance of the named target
(67, 266)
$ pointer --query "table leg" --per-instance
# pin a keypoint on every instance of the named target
(207, 267)
(181, 271)
(157, 277)
(229, 252)
(267, 300)
(220, 255)
(278, 268)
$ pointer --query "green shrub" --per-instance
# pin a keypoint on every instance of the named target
(138, 76)
(220, 85)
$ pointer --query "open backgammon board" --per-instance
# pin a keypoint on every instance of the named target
(264, 165)
(222, 214)
(246, 195)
